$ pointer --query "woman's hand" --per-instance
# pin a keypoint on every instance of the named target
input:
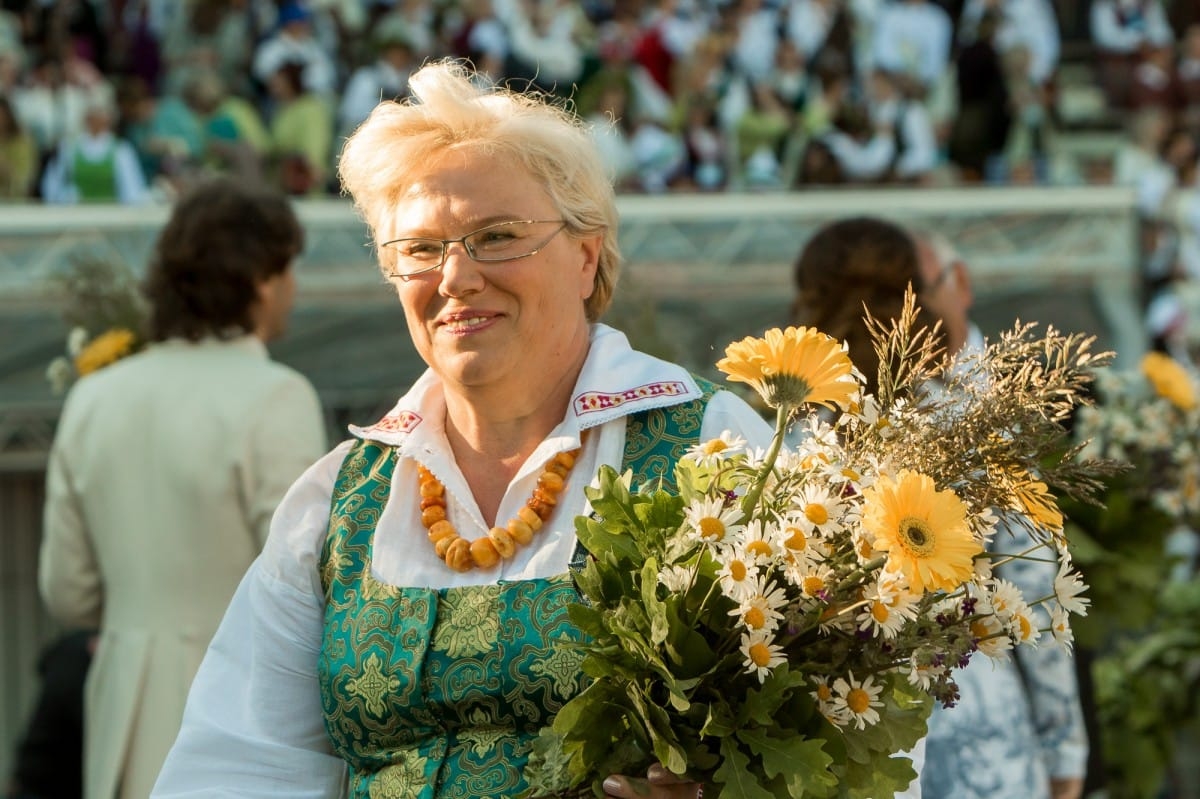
(657, 784)
(1063, 787)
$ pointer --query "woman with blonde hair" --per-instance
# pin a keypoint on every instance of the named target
(401, 634)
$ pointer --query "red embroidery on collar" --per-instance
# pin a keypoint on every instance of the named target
(592, 401)
(403, 422)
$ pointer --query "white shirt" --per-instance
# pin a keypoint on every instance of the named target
(808, 24)
(50, 115)
(913, 39)
(1150, 25)
(861, 161)
(253, 727)
(757, 40)
(919, 153)
(320, 74)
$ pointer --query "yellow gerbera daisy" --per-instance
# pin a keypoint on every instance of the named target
(108, 347)
(791, 367)
(1170, 380)
(923, 530)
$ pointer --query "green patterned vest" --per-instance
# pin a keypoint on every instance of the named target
(439, 692)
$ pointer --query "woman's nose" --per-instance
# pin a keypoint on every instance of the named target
(461, 274)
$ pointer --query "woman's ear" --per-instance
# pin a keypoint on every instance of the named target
(590, 247)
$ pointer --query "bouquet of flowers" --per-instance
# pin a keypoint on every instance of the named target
(105, 313)
(1150, 419)
(1148, 667)
(781, 625)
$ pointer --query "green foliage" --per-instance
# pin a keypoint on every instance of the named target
(1118, 548)
(1147, 691)
(662, 667)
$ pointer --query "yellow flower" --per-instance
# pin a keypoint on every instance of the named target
(791, 367)
(923, 530)
(1170, 380)
(108, 347)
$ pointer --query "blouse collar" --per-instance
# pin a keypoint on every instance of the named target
(616, 381)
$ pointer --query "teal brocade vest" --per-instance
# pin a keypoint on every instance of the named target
(438, 693)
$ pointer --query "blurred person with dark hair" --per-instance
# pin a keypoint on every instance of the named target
(979, 132)
(916, 147)
(863, 147)
(166, 468)
(848, 265)
(1029, 24)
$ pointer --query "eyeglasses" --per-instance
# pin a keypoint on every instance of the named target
(946, 273)
(503, 241)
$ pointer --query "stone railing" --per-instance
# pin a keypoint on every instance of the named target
(701, 270)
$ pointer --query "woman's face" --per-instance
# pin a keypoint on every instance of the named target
(519, 325)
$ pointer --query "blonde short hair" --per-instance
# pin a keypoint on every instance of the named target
(451, 107)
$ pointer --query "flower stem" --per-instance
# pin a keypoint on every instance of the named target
(750, 501)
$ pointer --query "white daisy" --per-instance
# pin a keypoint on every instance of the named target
(77, 339)
(813, 579)
(738, 574)
(1024, 625)
(675, 578)
(818, 510)
(888, 607)
(761, 654)
(761, 541)
(761, 609)
(824, 696)
(857, 700)
(922, 675)
(716, 450)
(991, 637)
(711, 521)
(1068, 587)
(1005, 598)
(1060, 628)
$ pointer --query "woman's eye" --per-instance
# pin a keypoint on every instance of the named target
(422, 249)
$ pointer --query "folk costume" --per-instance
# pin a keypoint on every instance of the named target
(353, 658)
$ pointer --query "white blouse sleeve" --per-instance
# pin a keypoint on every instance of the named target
(253, 725)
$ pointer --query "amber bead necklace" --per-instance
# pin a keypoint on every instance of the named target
(500, 542)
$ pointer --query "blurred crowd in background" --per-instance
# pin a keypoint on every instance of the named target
(127, 100)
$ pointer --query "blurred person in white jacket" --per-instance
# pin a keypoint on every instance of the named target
(166, 468)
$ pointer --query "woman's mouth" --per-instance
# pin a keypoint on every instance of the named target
(466, 324)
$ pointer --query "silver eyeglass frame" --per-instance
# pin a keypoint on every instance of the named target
(469, 250)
